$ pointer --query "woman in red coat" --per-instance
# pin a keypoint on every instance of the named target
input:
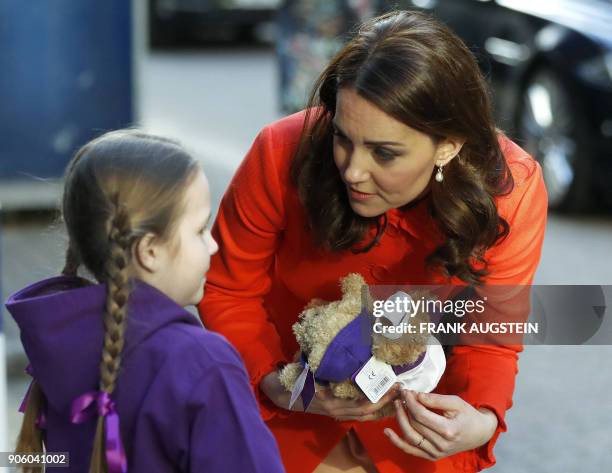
(397, 172)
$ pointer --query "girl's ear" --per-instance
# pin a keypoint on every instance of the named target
(147, 253)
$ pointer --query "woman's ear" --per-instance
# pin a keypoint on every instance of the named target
(447, 150)
(147, 253)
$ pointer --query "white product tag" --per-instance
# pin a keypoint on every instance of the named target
(375, 379)
(402, 303)
(298, 386)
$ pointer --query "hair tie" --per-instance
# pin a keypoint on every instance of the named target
(99, 403)
(41, 418)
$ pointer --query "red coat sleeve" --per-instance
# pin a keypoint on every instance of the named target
(248, 227)
(484, 375)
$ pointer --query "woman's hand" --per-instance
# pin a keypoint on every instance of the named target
(325, 403)
(433, 436)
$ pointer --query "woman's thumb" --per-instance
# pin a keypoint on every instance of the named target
(439, 401)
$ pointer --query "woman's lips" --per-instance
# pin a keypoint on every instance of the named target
(355, 194)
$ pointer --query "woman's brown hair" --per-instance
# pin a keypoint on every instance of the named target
(417, 71)
(118, 188)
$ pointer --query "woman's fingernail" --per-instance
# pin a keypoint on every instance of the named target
(387, 432)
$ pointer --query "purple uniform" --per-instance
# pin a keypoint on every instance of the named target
(183, 396)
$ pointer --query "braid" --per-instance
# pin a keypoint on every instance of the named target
(116, 298)
(115, 319)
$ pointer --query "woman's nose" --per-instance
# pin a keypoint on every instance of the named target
(356, 170)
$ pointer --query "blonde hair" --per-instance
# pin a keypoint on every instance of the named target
(118, 188)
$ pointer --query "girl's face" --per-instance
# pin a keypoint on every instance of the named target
(183, 260)
(384, 163)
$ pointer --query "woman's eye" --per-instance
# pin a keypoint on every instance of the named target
(342, 141)
(384, 154)
(339, 136)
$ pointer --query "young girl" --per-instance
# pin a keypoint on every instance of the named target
(124, 377)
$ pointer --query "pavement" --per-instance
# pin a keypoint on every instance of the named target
(560, 421)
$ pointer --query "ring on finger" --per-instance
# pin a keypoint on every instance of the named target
(418, 445)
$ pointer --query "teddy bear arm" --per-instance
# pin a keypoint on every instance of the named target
(289, 375)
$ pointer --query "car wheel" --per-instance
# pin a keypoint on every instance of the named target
(552, 130)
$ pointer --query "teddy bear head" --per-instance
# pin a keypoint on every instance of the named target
(321, 321)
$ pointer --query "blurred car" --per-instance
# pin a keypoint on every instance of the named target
(176, 21)
(550, 66)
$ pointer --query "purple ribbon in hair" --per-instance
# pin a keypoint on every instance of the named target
(26, 397)
(41, 419)
(87, 406)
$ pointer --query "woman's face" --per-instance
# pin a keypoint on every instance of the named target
(384, 163)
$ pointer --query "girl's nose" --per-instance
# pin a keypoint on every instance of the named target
(212, 245)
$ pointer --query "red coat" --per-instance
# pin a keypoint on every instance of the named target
(267, 270)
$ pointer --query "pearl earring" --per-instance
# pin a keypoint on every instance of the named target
(439, 175)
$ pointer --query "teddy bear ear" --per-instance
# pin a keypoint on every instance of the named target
(352, 284)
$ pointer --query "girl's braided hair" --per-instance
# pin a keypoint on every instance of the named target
(118, 188)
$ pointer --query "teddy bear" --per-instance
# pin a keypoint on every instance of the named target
(336, 340)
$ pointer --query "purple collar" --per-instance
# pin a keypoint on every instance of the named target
(399, 369)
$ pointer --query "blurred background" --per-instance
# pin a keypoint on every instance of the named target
(211, 73)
